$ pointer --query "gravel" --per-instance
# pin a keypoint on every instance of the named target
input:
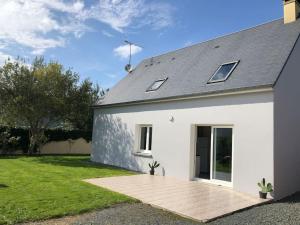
(139, 214)
(284, 212)
(123, 214)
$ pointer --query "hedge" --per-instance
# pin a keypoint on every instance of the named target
(51, 134)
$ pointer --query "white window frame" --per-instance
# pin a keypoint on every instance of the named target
(225, 78)
(145, 151)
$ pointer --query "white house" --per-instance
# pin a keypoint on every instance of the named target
(226, 111)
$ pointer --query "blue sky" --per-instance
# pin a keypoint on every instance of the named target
(89, 35)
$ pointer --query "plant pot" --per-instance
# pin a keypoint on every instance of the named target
(263, 195)
(152, 172)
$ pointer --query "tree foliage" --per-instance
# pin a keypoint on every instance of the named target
(43, 95)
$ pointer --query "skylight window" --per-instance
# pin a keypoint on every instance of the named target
(223, 72)
(156, 85)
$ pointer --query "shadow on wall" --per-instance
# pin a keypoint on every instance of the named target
(113, 143)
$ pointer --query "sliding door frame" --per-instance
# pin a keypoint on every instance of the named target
(212, 156)
(213, 181)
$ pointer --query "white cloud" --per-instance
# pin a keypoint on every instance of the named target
(120, 14)
(3, 45)
(107, 34)
(38, 51)
(74, 7)
(28, 22)
(157, 15)
(123, 51)
(39, 25)
(116, 13)
(187, 43)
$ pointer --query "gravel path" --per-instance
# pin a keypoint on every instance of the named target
(285, 212)
(124, 214)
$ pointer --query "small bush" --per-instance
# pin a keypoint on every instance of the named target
(8, 143)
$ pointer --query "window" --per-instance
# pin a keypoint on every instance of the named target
(145, 139)
(156, 85)
(223, 72)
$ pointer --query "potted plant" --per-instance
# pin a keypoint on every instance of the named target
(264, 188)
(153, 166)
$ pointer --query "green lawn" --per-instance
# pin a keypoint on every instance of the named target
(34, 188)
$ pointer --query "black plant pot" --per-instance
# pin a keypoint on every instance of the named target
(152, 172)
(263, 195)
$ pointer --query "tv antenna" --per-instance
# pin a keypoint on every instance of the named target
(128, 67)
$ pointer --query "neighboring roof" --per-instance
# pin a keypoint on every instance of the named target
(262, 52)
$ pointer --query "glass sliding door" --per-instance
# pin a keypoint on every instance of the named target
(222, 154)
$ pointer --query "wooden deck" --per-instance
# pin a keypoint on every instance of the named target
(190, 199)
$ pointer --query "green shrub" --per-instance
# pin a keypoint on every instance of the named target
(8, 142)
(18, 138)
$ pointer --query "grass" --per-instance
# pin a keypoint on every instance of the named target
(35, 188)
(223, 167)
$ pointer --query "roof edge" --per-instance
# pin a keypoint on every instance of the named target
(237, 91)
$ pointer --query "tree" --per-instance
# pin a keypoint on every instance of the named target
(80, 113)
(44, 95)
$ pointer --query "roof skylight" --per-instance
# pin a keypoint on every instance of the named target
(156, 85)
(223, 72)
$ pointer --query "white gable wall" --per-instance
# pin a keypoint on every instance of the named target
(251, 115)
(287, 127)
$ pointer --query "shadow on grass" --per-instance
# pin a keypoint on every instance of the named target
(10, 156)
(3, 186)
(72, 162)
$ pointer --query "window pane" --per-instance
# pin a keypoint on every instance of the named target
(223, 72)
(156, 85)
(150, 138)
(222, 162)
(143, 138)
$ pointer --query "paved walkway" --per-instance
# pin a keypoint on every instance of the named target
(194, 200)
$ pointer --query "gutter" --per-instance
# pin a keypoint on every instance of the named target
(265, 88)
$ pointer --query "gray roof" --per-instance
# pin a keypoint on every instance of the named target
(262, 51)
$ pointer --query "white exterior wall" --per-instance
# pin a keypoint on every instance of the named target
(287, 127)
(251, 115)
